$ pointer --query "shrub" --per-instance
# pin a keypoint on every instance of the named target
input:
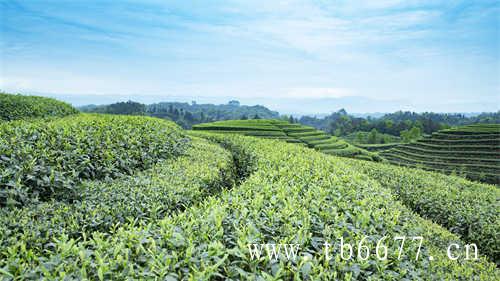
(14, 107)
(170, 186)
(39, 160)
(294, 195)
(470, 151)
(466, 208)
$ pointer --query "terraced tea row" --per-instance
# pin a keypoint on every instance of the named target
(15, 107)
(42, 160)
(170, 186)
(473, 151)
(377, 147)
(468, 209)
(289, 132)
(293, 195)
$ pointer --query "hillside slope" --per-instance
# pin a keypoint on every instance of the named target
(15, 107)
(472, 151)
(185, 207)
(291, 133)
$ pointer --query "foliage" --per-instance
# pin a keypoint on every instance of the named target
(44, 159)
(411, 135)
(466, 208)
(170, 186)
(293, 195)
(471, 151)
(377, 147)
(124, 108)
(289, 132)
(372, 137)
(15, 107)
(185, 114)
(340, 123)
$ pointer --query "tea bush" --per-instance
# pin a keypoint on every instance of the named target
(291, 133)
(292, 195)
(466, 208)
(40, 159)
(14, 107)
(169, 186)
(472, 151)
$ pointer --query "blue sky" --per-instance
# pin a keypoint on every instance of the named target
(294, 56)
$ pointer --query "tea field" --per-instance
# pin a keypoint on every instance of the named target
(472, 151)
(291, 133)
(110, 197)
(15, 107)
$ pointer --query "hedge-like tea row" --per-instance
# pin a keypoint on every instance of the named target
(472, 151)
(169, 186)
(291, 133)
(474, 129)
(47, 159)
(377, 147)
(466, 208)
(445, 169)
(295, 195)
(14, 107)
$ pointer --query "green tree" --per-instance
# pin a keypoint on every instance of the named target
(359, 137)
(372, 137)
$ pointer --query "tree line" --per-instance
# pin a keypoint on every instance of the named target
(408, 125)
(405, 124)
(186, 114)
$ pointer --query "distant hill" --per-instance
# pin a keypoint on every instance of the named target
(472, 151)
(186, 114)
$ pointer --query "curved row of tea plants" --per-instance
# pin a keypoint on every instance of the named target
(169, 186)
(289, 132)
(263, 128)
(14, 107)
(293, 195)
(473, 129)
(377, 147)
(468, 209)
(472, 151)
(40, 159)
(323, 142)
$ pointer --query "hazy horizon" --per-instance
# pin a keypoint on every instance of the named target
(83, 100)
(302, 57)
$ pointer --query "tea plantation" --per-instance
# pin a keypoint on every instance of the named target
(101, 197)
(472, 151)
(291, 133)
(14, 107)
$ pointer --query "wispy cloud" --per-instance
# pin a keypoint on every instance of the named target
(388, 49)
